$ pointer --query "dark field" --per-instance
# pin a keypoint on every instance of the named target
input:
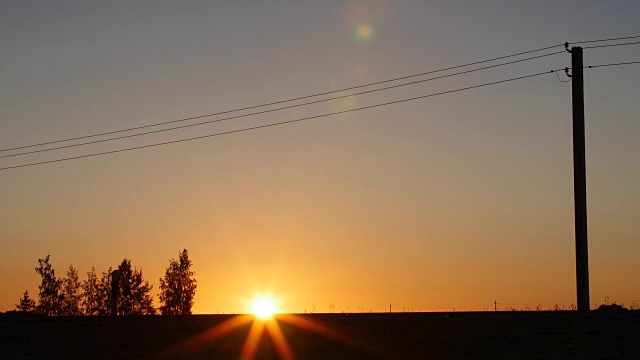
(481, 335)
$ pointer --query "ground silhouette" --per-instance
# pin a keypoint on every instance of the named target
(477, 335)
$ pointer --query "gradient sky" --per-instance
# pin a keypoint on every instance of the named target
(445, 203)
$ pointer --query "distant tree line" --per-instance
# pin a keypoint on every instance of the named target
(92, 297)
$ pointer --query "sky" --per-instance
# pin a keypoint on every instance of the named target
(448, 202)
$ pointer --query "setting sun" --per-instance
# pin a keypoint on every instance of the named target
(264, 307)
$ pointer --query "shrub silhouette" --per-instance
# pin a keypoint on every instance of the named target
(612, 307)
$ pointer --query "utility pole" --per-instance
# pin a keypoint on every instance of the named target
(115, 291)
(495, 305)
(580, 180)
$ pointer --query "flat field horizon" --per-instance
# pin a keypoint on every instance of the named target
(453, 335)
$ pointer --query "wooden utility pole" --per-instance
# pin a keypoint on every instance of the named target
(579, 180)
(115, 276)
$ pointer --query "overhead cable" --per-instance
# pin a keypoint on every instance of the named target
(276, 109)
(614, 64)
(282, 101)
(606, 40)
(611, 45)
(281, 122)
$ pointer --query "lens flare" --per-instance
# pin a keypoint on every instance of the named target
(363, 34)
(344, 102)
(365, 31)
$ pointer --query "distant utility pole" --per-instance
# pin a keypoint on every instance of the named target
(115, 276)
(580, 180)
(495, 305)
(389, 308)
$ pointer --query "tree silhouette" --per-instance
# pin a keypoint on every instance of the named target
(96, 296)
(26, 305)
(104, 293)
(90, 294)
(134, 296)
(71, 295)
(49, 297)
(178, 287)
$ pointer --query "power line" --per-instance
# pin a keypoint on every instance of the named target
(604, 40)
(611, 45)
(604, 65)
(566, 70)
(614, 64)
(317, 94)
(563, 81)
(278, 109)
(283, 122)
(282, 101)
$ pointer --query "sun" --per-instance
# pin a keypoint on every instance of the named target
(264, 307)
